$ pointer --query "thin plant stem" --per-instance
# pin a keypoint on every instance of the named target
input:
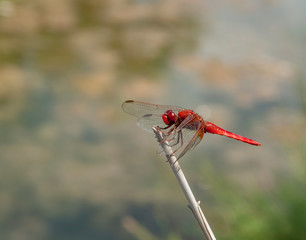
(193, 204)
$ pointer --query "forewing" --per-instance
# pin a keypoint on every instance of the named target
(140, 109)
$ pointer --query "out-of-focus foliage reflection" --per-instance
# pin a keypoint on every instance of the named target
(74, 166)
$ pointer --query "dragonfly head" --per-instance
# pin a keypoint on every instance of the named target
(169, 117)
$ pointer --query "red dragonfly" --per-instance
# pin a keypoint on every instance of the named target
(182, 128)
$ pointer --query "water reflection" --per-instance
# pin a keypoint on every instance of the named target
(73, 165)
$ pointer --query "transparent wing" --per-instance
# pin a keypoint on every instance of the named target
(148, 121)
(194, 141)
(140, 109)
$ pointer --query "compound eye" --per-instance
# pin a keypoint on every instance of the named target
(165, 118)
(171, 116)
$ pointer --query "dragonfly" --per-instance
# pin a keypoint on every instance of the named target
(182, 128)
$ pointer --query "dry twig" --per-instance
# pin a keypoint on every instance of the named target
(193, 204)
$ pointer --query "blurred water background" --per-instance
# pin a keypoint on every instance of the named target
(74, 166)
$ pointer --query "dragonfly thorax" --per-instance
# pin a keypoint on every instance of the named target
(169, 117)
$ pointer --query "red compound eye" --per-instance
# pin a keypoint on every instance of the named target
(169, 117)
(165, 119)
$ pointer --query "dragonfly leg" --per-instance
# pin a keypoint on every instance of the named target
(167, 134)
(180, 139)
(164, 128)
(170, 138)
(180, 135)
(182, 142)
(171, 145)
